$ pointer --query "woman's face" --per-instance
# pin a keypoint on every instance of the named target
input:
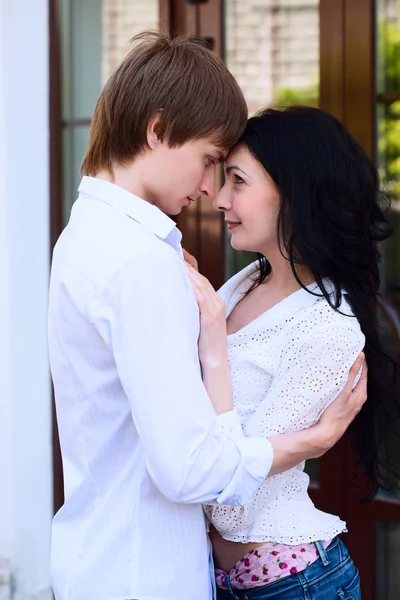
(250, 202)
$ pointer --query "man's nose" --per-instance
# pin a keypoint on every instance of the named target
(207, 187)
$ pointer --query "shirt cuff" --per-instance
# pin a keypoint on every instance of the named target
(257, 456)
(228, 424)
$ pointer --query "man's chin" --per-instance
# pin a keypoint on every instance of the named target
(171, 211)
(176, 211)
(178, 208)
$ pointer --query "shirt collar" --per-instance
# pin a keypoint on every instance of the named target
(232, 292)
(148, 215)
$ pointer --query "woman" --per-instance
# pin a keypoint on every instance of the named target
(302, 194)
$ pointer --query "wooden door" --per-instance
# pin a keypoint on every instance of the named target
(201, 226)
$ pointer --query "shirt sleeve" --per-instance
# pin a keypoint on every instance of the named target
(229, 424)
(149, 317)
(312, 372)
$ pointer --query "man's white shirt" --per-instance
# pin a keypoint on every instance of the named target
(142, 446)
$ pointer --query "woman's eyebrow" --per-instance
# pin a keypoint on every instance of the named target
(231, 167)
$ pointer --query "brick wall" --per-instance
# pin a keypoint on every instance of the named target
(122, 19)
(270, 44)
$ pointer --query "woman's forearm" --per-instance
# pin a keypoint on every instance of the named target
(290, 449)
(217, 381)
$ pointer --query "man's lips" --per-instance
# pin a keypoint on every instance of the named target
(232, 224)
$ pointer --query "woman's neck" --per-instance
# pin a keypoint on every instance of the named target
(282, 278)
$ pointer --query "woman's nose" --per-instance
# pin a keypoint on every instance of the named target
(221, 200)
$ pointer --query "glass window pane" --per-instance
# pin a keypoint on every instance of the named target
(272, 48)
(79, 144)
(389, 166)
(388, 131)
(86, 35)
(75, 141)
(387, 560)
(388, 157)
(67, 193)
(388, 46)
(122, 20)
(65, 60)
(95, 38)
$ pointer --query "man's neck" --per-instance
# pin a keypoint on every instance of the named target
(124, 179)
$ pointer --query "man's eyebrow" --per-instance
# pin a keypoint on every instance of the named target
(231, 167)
(221, 156)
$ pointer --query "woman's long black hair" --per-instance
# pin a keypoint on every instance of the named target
(331, 219)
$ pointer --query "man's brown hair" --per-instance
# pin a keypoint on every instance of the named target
(181, 81)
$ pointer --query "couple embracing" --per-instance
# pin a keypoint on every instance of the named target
(185, 415)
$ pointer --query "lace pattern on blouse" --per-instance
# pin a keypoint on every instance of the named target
(287, 366)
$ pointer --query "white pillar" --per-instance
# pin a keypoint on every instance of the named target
(25, 392)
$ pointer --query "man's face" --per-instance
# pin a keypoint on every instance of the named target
(176, 177)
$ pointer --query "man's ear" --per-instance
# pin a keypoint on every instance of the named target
(153, 131)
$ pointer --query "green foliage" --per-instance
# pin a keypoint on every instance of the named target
(306, 95)
(388, 127)
(389, 113)
(389, 56)
(388, 77)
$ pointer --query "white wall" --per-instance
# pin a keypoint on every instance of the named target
(25, 397)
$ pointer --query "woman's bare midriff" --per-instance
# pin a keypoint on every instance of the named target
(226, 553)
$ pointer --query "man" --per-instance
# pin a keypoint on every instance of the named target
(142, 445)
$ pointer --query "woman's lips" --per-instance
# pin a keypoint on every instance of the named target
(232, 224)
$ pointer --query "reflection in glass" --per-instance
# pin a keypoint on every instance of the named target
(387, 560)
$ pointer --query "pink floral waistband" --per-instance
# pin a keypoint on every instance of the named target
(268, 563)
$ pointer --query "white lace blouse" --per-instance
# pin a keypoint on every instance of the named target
(286, 366)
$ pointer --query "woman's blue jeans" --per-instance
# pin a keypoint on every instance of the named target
(332, 576)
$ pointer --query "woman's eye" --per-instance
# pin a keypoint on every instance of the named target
(237, 179)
